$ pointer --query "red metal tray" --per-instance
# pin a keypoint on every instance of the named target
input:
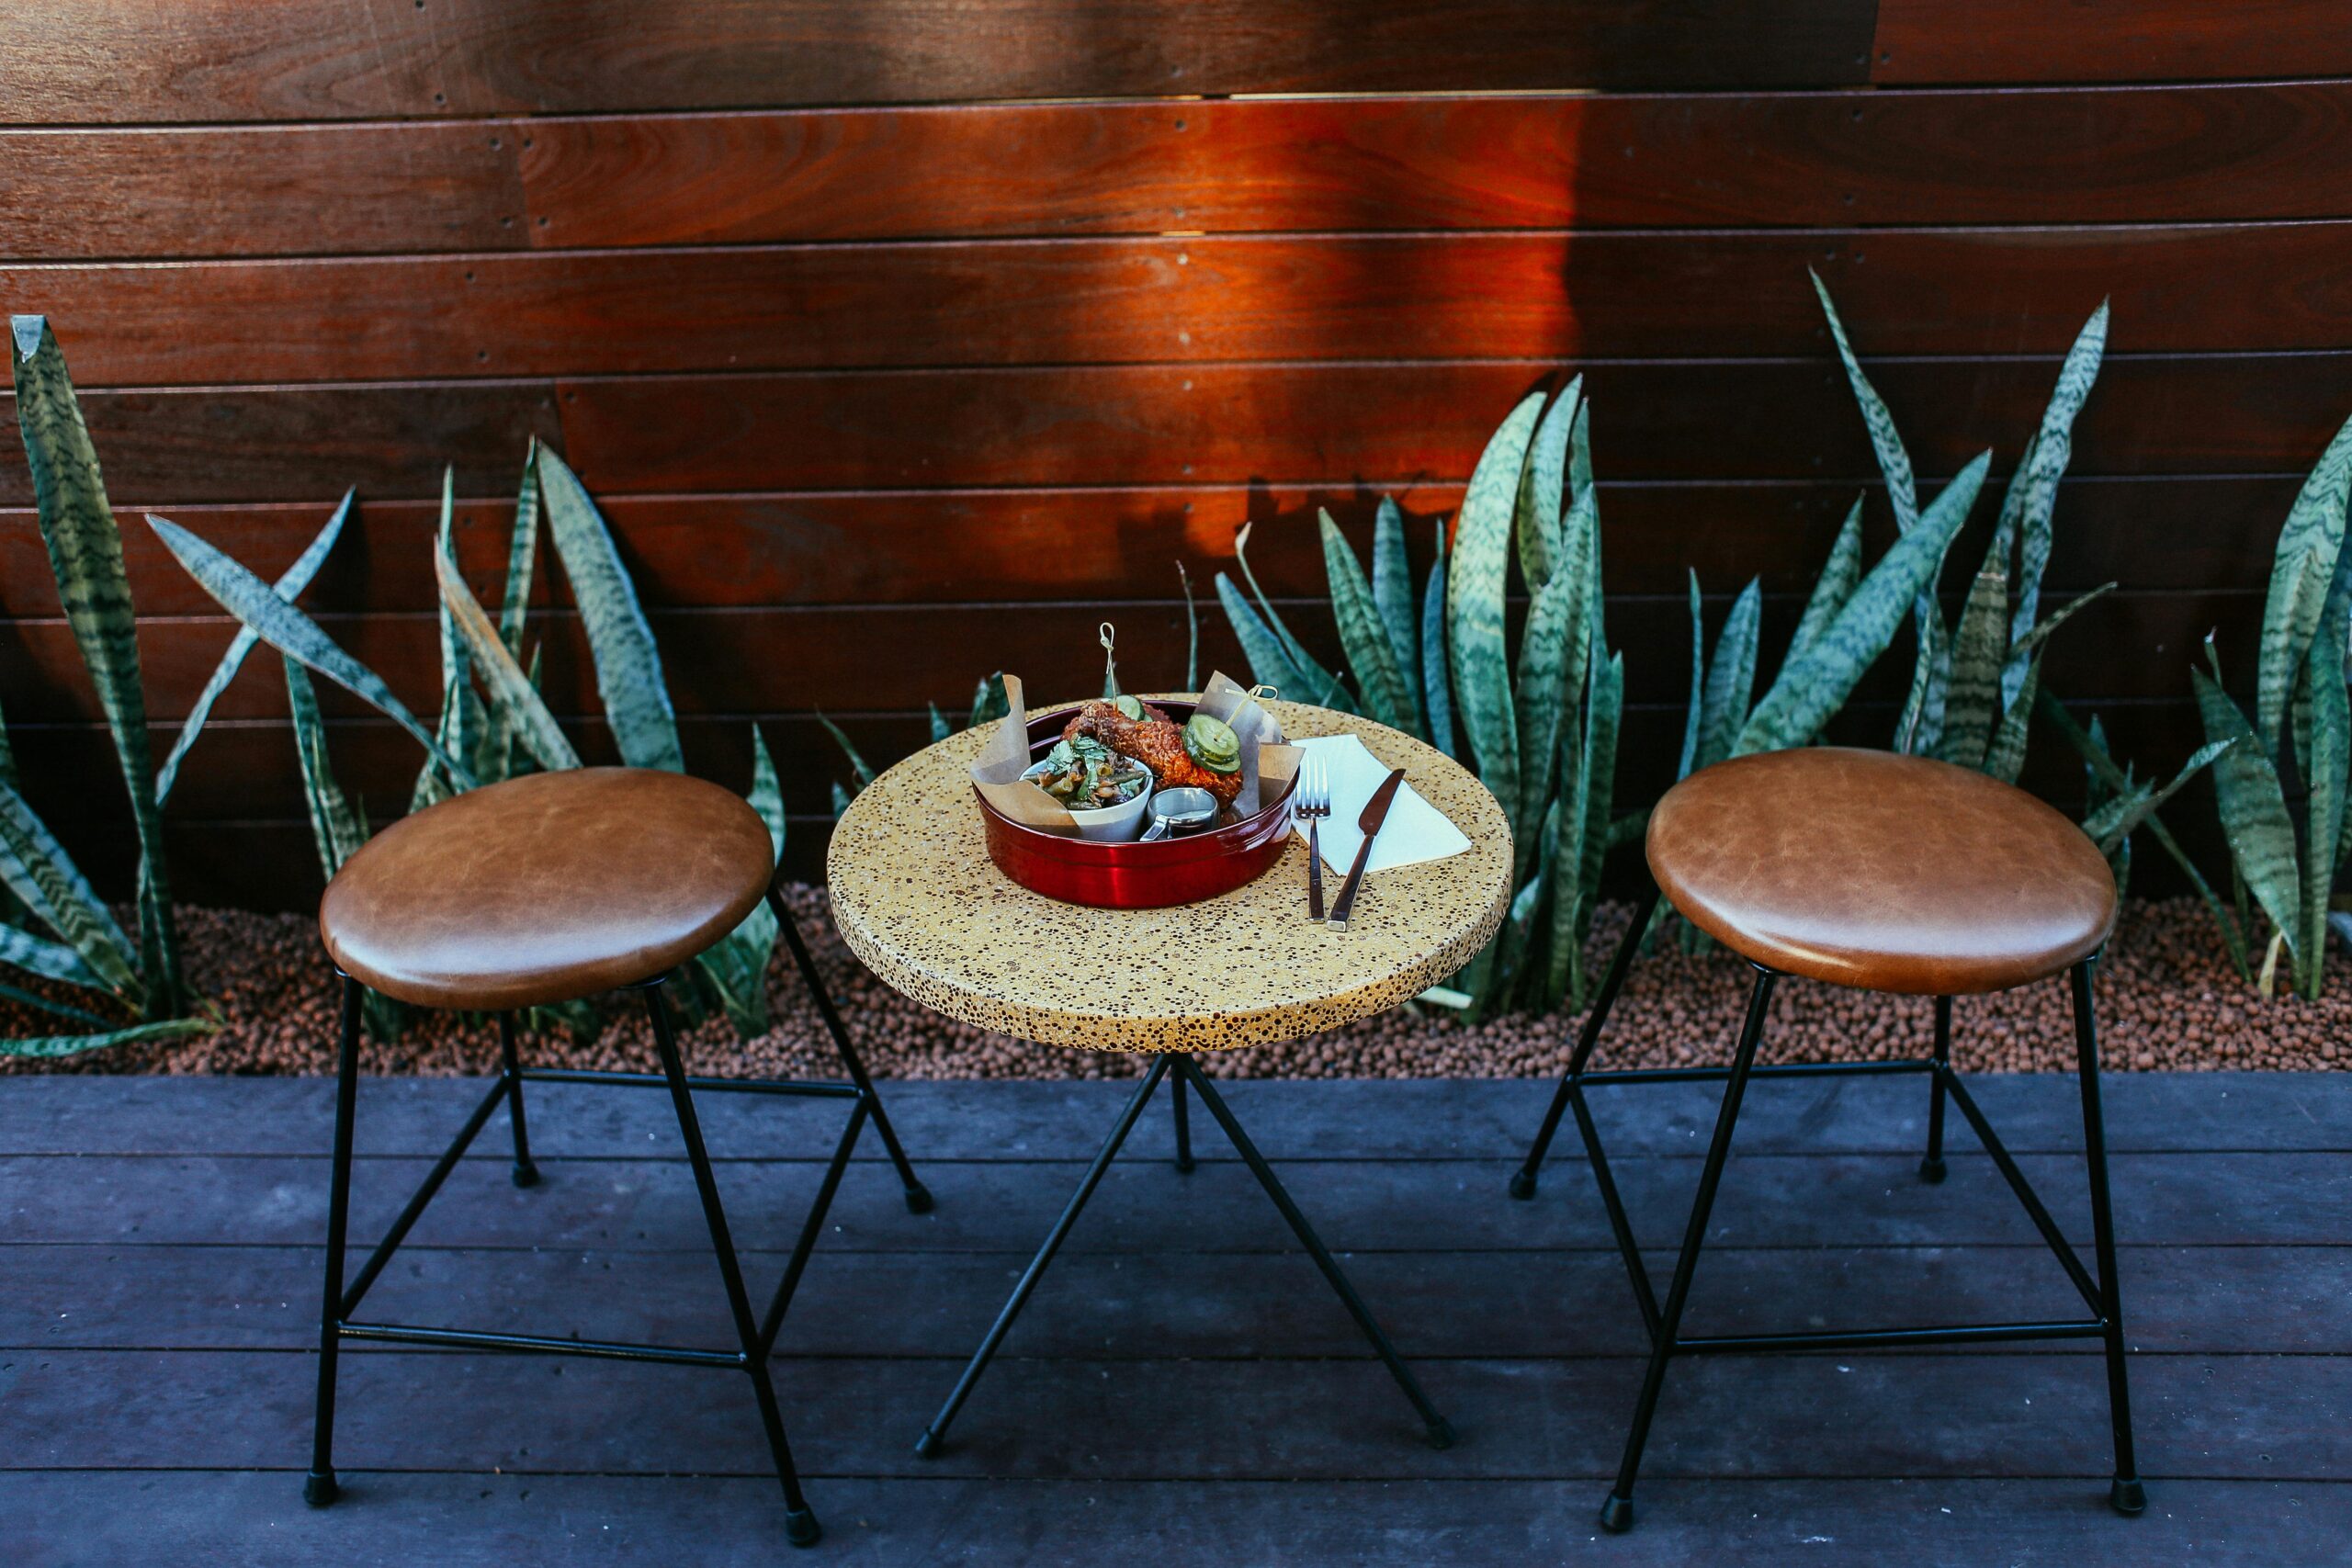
(1134, 876)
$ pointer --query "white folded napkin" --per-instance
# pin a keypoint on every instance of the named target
(1415, 830)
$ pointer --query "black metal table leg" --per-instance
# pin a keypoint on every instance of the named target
(800, 1522)
(933, 1434)
(2126, 1494)
(919, 1200)
(1523, 1182)
(1441, 1431)
(1617, 1513)
(525, 1174)
(320, 1488)
(1931, 1169)
(1183, 1127)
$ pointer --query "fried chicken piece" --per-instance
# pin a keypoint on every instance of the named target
(1155, 740)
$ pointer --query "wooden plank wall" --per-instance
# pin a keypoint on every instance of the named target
(907, 339)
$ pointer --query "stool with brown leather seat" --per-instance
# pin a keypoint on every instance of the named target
(1886, 874)
(543, 890)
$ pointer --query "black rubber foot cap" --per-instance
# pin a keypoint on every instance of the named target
(927, 1446)
(1185, 1166)
(2127, 1497)
(1617, 1514)
(1523, 1185)
(800, 1528)
(319, 1488)
(526, 1175)
(918, 1198)
(1441, 1434)
(1931, 1171)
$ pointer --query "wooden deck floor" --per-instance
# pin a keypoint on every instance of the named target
(1183, 1388)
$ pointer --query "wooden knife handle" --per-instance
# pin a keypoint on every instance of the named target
(1346, 901)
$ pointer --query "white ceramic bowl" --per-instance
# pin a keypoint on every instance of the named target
(1112, 824)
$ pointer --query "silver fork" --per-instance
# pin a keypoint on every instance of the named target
(1314, 804)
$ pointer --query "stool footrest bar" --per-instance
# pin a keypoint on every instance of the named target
(473, 1339)
(1865, 1338)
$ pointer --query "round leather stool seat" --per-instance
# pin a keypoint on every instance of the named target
(546, 888)
(1882, 872)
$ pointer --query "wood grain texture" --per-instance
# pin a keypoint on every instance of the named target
(2228, 288)
(1769, 159)
(263, 60)
(2107, 41)
(260, 190)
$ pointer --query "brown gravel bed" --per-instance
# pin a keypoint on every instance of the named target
(2169, 999)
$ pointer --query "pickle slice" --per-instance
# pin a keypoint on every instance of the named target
(1212, 743)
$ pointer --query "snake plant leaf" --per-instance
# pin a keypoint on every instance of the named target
(37, 1002)
(620, 640)
(1833, 587)
(2092, 747)
(1564, 851)
(465, 728)
(2327, 761)
(1886, 442)
(940, 728)
(2302, 571)
(1695, 709)
(2005, 756)
(1314, 683)
(1542, 488)
(1978, 654)
(2253, 811)
(55, 887)
(1731, 677)
(1437, 685)
(1392, 592)
(1808, 690)
(840, 800)
(522, 553)
(52, 1046)
(1363, 634)
(989, 701)
(2044, 465)
(335, 827)
(85, 555)
(290, 585)
(522, 712)
(1580, 448)
(1551, 646)
(1270, 663)
(289, 630)
(2144, 802)
(51, 960)
(1597, 776)
(858, 765)
(1473, 606)
(737, 968)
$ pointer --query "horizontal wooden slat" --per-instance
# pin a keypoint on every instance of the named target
(2106, 40)
(1107, 546)
(1392, 427)
(2226, 288)
(251, 60)
(1822, 158)
(898, 658)
(264, 190)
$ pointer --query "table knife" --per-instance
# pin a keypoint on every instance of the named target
(1376, 812)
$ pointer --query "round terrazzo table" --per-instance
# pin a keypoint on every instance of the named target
(918, 901)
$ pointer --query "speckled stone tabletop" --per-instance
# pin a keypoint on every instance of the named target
(920, 902)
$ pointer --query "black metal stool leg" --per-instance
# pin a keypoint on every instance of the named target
(2127, 1494)
(1617, 1513)
(320, 1488)
(1183, 1127)
(919, 1200)
(1441, 1431)
(1931, 1169)
(800, 1523)
(1523, 1182)
(927, 1446)
(525, 1174)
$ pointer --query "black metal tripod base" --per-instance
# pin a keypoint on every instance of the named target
(918, 1199)
(927, 1446)
(1617, 1514)
(2128, 1496)
(525, 1174)
(1523, 1185)
(319, 1488)
(1931, 1171)
(1441, 1434)
(800, 1528)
